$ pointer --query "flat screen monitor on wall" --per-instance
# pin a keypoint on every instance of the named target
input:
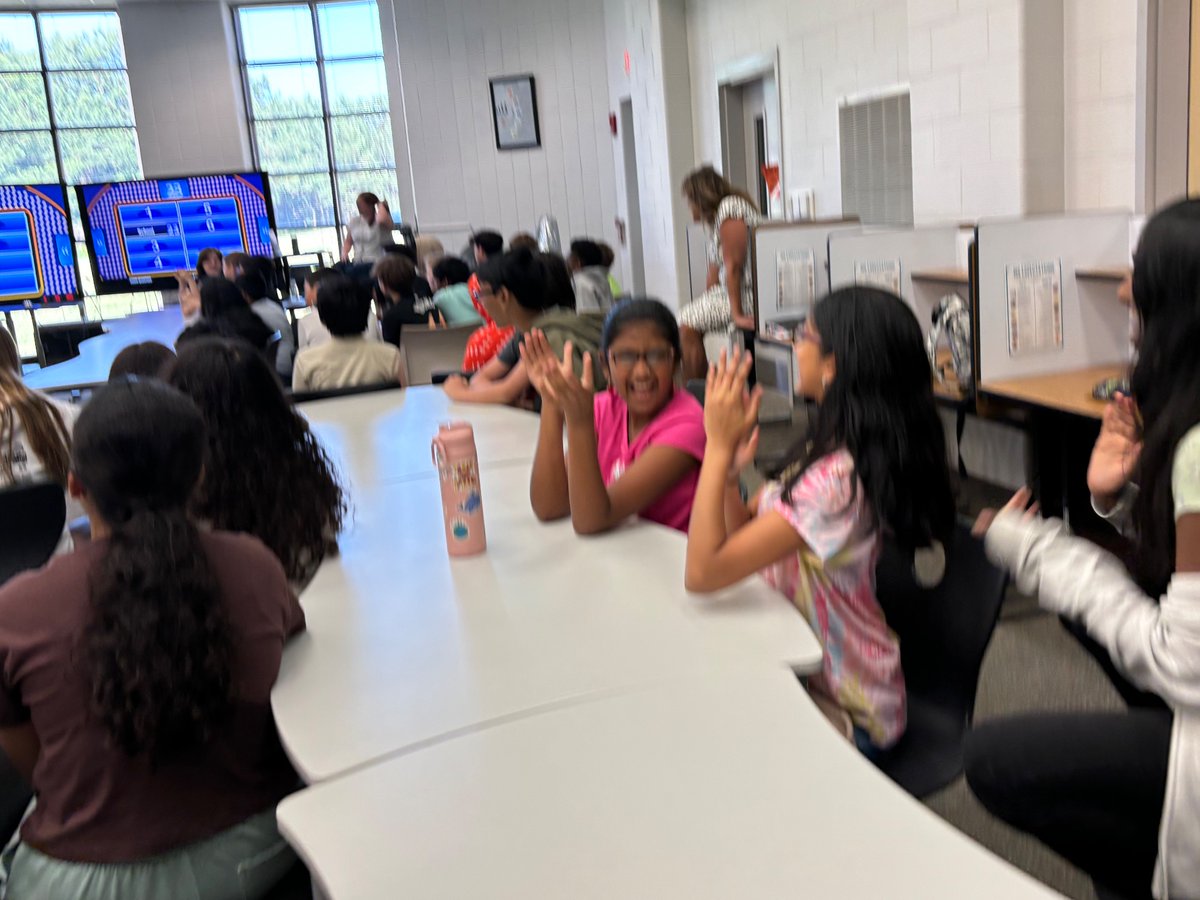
(37, 255)
(140, 233)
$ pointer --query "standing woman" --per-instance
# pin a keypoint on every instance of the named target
(1123, 802)
(137, 702)
(728, 301)
(368, 232)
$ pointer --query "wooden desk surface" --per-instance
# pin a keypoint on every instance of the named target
(1069, 392)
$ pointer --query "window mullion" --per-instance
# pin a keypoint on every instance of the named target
(320, 52)
(58, 160)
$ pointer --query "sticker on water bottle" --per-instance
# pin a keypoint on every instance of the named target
(459, 529)
(471, 504)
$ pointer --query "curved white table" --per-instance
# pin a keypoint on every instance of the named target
(701, 788)
(384, 436)
(406, 647)
(96, 354)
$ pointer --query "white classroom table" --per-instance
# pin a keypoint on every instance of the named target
(385, 436)
(405, 647)
(96, 354)
(699, 788)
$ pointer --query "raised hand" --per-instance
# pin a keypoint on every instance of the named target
(1116, 452)
(1018, 502)
(730, 411)
(539, 359)
(574, 396)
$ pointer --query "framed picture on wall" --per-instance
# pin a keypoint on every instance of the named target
(514, 112)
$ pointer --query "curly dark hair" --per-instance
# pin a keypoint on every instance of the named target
(266, 473)
(158, 646)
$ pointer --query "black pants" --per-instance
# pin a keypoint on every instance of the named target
(1088, 785)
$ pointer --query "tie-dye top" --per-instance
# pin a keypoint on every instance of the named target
(832, 582)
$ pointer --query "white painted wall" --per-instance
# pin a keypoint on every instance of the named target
(447, 53)
(1100, 40)
(186, 87)
(654, 33)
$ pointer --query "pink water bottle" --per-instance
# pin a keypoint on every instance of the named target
(462, 504)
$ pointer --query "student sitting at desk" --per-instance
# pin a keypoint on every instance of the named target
(516, 290)
(225, 313)
(876, 465)
(148, 359)
(348, 359)
(266, 473)
(255, 288)
(1123, 803)
(35, 431)
(395, 279)
(634, 449)
(450, 276)
(310, 330)
(137, 703)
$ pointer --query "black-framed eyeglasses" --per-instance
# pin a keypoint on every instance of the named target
(627, 359)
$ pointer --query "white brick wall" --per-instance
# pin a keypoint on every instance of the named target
(1100, 73)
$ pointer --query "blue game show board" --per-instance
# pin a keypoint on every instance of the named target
(18, 261)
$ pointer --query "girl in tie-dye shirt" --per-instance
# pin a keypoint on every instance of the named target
(874, 465)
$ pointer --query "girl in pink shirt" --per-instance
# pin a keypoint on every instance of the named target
(875, 463)
(634, 449)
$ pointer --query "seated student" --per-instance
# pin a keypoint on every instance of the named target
(1117, 793)
(348, 359)
(138, 702)
(562, 288)
(428, 250)
(589, 277)
(634, 449)
(266, 473)
(209, 264)
(35, 431)
(254, 288)
(523, 239)
(876, 464)
(449, 278)
(396, 276)
(225, 313)
(144, 360)
(516, 290)
(610, 257)
(485, 342)
(234, 265)
(311, 332)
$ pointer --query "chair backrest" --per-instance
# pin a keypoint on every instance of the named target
(32, 517)
(428, 350)
(945, 630)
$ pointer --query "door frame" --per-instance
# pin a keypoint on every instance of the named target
(733, 74)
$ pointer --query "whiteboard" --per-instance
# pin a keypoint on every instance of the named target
(1095, 322)
(917, 249)
(768, 240)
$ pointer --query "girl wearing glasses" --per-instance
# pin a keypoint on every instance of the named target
(874, 463)
(634, 449)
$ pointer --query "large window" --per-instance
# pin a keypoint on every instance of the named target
(66, 115)
(318, 104)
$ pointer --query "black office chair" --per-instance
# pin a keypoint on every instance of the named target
(32, 517)
(944, 632)
(60, 342)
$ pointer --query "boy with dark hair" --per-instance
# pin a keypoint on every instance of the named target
(453, 299)
(589, 276)
(487, 244)
(347, 359)
(311, 331)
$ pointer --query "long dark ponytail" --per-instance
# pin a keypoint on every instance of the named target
(1166, 378)
(880, 407)
(158, 647)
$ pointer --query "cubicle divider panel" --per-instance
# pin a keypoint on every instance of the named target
(789, 262)
(922, 265)
(1047, 299)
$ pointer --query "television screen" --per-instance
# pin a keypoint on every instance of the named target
(140, 233)
(37, 255)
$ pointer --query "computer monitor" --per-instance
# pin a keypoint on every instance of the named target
(775, 369)
(37, 252)
(140, 233)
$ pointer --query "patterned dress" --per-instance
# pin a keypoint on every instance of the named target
(711, 311)
(832, 581)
